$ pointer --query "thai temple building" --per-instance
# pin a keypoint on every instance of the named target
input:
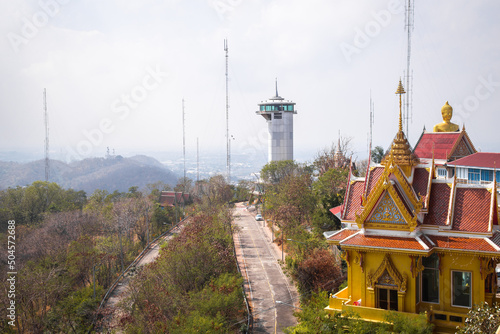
(421, 230)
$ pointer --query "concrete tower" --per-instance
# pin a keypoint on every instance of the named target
(279, 116)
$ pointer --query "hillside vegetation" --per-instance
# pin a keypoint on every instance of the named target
(110, 174)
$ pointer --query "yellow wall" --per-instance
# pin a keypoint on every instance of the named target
(402, 262)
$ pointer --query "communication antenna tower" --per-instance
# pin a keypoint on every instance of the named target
(409, 18)
(372, 120)
(197, 160)
(46, 117)
(228, 157)
(183, 142)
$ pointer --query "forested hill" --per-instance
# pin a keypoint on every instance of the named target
(112, 173)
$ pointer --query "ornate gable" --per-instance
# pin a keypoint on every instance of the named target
(386, 212)
(462, 148)
(392, 204)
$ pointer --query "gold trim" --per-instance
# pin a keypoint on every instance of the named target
(400, 280)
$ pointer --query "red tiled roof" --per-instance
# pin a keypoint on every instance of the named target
(354, 200)
(336, 209)
(384, 242)
(438, 204)
(475, 244)
(342, 234)
(420, 181)
(479, 159)
(472, 209)
(441, 142)
(373, 177)
(170, 198)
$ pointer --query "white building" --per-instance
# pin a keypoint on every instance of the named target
(278, 113)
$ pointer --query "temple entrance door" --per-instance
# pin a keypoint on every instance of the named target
(387, 299)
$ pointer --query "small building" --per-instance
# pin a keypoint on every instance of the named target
(416, 240)
(173, 198)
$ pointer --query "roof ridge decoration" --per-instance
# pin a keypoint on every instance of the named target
(387, 265)
(385, 185)
(429, 183)
(451, 204)
(494, 204)
(348, 190)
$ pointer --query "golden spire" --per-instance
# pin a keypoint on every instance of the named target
(401, 153)
(400, 91)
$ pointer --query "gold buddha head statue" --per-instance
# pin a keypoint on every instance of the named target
(447, 112)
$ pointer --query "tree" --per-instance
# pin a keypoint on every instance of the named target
(275, 171)
(319, 271)
(378, 154)
(483, 318)
(329, 190)
(334, 157)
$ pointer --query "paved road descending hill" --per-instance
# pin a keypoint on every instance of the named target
(265, 282)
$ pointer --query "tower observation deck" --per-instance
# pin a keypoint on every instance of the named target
(278, 113)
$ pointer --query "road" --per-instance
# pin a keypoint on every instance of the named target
(265, 281)
(111, 312)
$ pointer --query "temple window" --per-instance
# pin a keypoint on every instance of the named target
(461, 287)
(430, 279)
(387, 299)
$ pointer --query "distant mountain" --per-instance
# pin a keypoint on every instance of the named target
(112, 173)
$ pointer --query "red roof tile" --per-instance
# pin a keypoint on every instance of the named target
(475, 244)
(336, 209)
(342, 234)
(472, 210)
(373, 177)
(438, 204)
(383, 242)
(354, 200)
(479, 159)
(440, 142)
(420, 181)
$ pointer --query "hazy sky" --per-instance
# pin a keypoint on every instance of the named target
(116, 71)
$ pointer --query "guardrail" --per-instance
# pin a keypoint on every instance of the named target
(136, 260)
(249, 311)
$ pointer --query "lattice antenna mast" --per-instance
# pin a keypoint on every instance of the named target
(183, 142)
(372, 120)
(46, 118)
(197, 160)
(228, 150)
(409, 19)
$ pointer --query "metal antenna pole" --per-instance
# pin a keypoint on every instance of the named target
(47, 167)
(409, 29)
(197, 160)
(183, 143)
(228, 157)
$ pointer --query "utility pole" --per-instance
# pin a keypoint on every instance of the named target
(46, 117)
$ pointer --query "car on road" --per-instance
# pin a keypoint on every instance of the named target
(258, 217)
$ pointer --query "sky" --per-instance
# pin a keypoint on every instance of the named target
(116, 73)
